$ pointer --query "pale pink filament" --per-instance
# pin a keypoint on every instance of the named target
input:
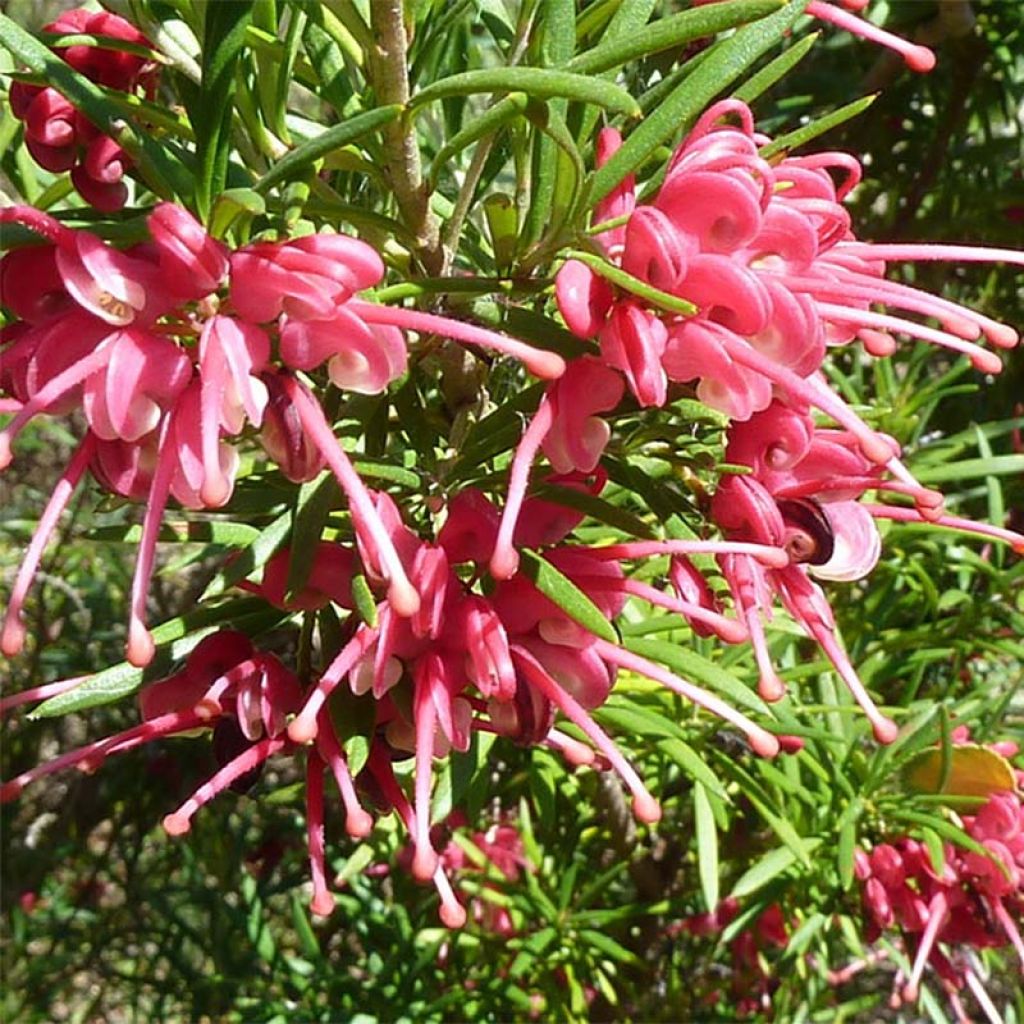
(91, 755)
(402, 595)
(761, 741)
(576, 753)
(727, 629)
(140, 642)
(39, 693)
(13, 638)
(911, 253)
(956, 318)
(918, 58)
(180, 821)
(885, 729)
(776, 558)
(424, 862)
(358, 823)
(323, 902)
(453, 914)
(505, 560)
(52, 390)
(304, 727)
(911, 515)
(981, 359)
(645, 807)
(1010, 927)
(936, 918)
(984, 999)
(547, 365)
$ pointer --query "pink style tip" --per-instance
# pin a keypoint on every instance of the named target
(764, 744)
(176, 824)
(646, 809)
(12, 641)
(453, 915)
(322, 904)
(303, 729)
(358, 823)
(141, 649)
(404, 598)
(424, 864)
(885, 730)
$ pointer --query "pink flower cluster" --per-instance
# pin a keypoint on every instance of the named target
(501, 847)
(751, 981)
(765, 254)
(173, 347)
(974, 901)
(418, 684)
(58, 135)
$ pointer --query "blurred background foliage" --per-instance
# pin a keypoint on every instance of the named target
(105, 918)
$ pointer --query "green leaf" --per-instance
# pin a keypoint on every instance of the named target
(561, 591)
(691, 762)
(997, 465)
(692, 666)
(334, 138)
(232, 205)
(252, 557)
(608, 946)
(936, 853)
(633, 285)
(357, 753)
(224, 32)
(845, 853)
(681, 107)
(539, 83)
(769, 867)
(490, 122)
(303, 929)
(775, 70)
(707, 846)
(313, 504)
(365, 602)
(804, 134)
(597, 508)
(174, 640)
(671, 32)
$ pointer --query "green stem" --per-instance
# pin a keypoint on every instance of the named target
(388, 70)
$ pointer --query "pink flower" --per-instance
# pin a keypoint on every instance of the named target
(58, 136)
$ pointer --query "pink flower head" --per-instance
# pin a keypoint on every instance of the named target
(360, 357)
(192, 264)
(143, 376)
(98, 178)
(578, 436)
(232, 354)
(113, 68)
(306, 278)
(282, 434)
(633, 341)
